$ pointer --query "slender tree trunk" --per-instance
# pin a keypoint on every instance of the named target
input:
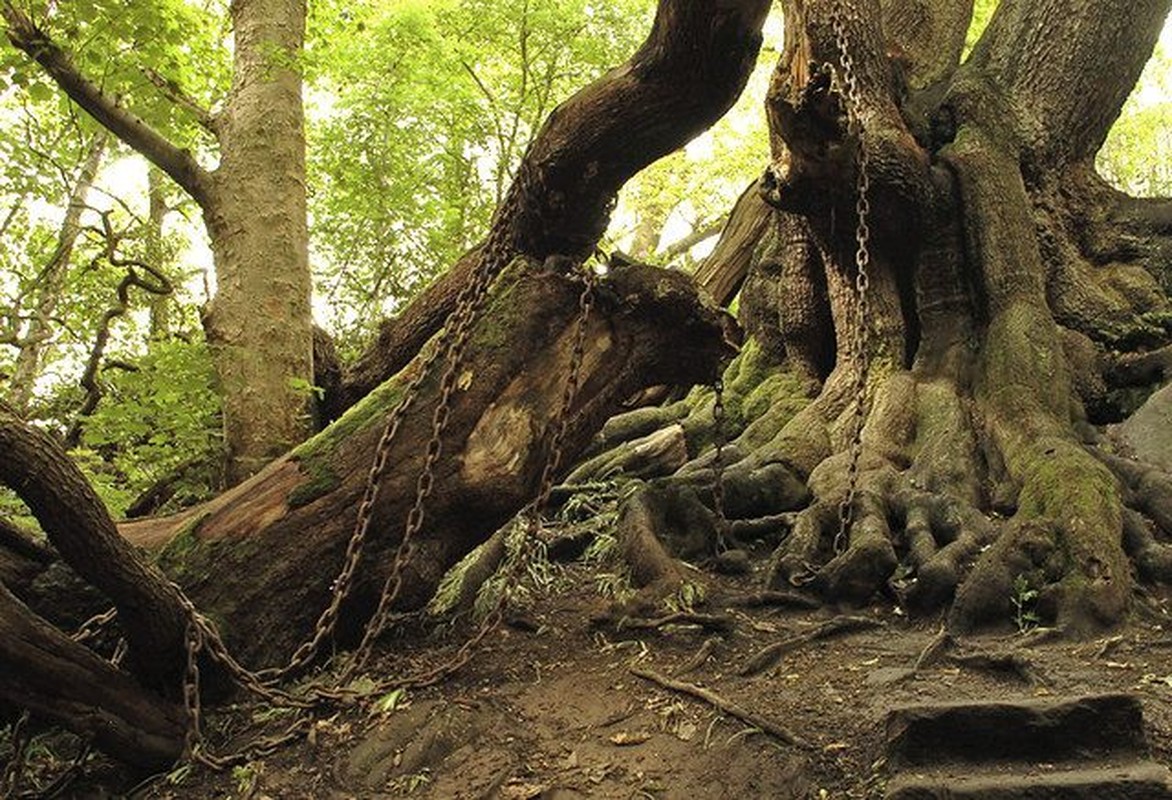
(259, 325)
(155, 252)
(51, 280)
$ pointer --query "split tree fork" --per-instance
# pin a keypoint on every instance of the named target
(261, 558)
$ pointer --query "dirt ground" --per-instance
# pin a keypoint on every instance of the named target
(550, 708)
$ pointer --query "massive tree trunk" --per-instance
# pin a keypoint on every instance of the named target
(261, 558)
(1006, 284)
(259, 325)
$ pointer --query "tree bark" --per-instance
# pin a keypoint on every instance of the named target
(254, 209)
(289, 525)
(259, 325)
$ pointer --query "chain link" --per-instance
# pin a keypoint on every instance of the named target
(849, 89)
(515, 568)
(718, 423)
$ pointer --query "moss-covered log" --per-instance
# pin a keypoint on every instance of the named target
(261, 558)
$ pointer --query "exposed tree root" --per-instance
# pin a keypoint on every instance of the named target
(1013, 664)
(767, 725)
(768, 656)
(716, 623)
(769, 597)
(702, 655)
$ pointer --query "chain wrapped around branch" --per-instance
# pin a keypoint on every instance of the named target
(532, 512)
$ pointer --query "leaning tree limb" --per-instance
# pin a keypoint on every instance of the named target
(79, 527)
(178, 163)
(684, 77)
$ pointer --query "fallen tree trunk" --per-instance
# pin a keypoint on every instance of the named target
(260, 559)
(61, 681)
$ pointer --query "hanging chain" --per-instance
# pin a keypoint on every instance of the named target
(515, 569)
(718, 423)
(849, 89)
(467, 310)
(496, 254)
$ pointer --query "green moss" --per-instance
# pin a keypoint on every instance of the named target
(749, 369)
(322, 481)
(1062, 482)
(495, 329)
(372, 409)
(782, 387)
(174, 556)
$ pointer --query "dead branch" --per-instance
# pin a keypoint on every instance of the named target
(768, 656)
(732, 709)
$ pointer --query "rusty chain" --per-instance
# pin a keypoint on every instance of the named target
(848, 87)
(532, 512)
(718, 422)
(498, 251)
(453, 340)
(202, 633)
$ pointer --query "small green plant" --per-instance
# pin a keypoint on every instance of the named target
(1024, 599)
(686, 598)
(245, 776)
(409, 783)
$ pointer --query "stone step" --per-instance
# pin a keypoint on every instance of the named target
(1030, 731)
(1142, 781)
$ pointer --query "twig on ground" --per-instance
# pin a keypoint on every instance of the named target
(1012, 663)
(700, 657)
(718, 623)
(768, 656)
(934, 649)
(713, 699)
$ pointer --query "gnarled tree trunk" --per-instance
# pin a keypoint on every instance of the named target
(1006, 281)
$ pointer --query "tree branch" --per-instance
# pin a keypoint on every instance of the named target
(1069, 65)
(77, 523)
(174, 92)
(178, 163)
(686, 75)
(699, 234)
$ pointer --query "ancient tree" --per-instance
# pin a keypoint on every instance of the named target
(261, 559)
(998, 292)
(253, 206)
(1012, 301)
